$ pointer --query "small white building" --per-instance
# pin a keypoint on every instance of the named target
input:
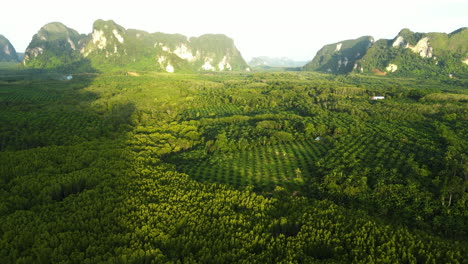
(377, 97)
(69, 77)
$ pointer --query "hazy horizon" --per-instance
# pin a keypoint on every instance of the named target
(296, 30)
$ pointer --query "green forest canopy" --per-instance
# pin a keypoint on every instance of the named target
(225, 168)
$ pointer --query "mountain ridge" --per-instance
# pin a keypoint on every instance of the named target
(340, 57)
(407, 54)
(112, 47)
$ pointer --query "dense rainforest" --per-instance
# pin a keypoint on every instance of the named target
(288, 167)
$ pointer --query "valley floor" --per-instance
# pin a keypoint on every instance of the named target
(276, 167)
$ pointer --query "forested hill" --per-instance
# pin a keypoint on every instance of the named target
(112, 47)
(7, 51)
(408, 54)
(340, 57)
(55, 46)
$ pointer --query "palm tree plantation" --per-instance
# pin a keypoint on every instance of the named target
(282, 167)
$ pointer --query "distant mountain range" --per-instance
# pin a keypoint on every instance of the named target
(408, 54)
(112, 47)
(264, 61)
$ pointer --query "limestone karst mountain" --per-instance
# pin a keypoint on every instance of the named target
(55, 46)
(7, 51)
(340, 57)
(407, 54)
(111, 46)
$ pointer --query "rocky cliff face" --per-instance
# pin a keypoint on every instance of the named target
(7, 51)
(110, 47)
(409, 53)
(54, 46)
(340, 57)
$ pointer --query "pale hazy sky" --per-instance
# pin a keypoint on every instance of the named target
(291, 28)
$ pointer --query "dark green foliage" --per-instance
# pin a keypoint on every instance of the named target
(226, 168)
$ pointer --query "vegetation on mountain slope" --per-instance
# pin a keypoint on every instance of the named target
(110, 47)
(340, 57)
(408, 54)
